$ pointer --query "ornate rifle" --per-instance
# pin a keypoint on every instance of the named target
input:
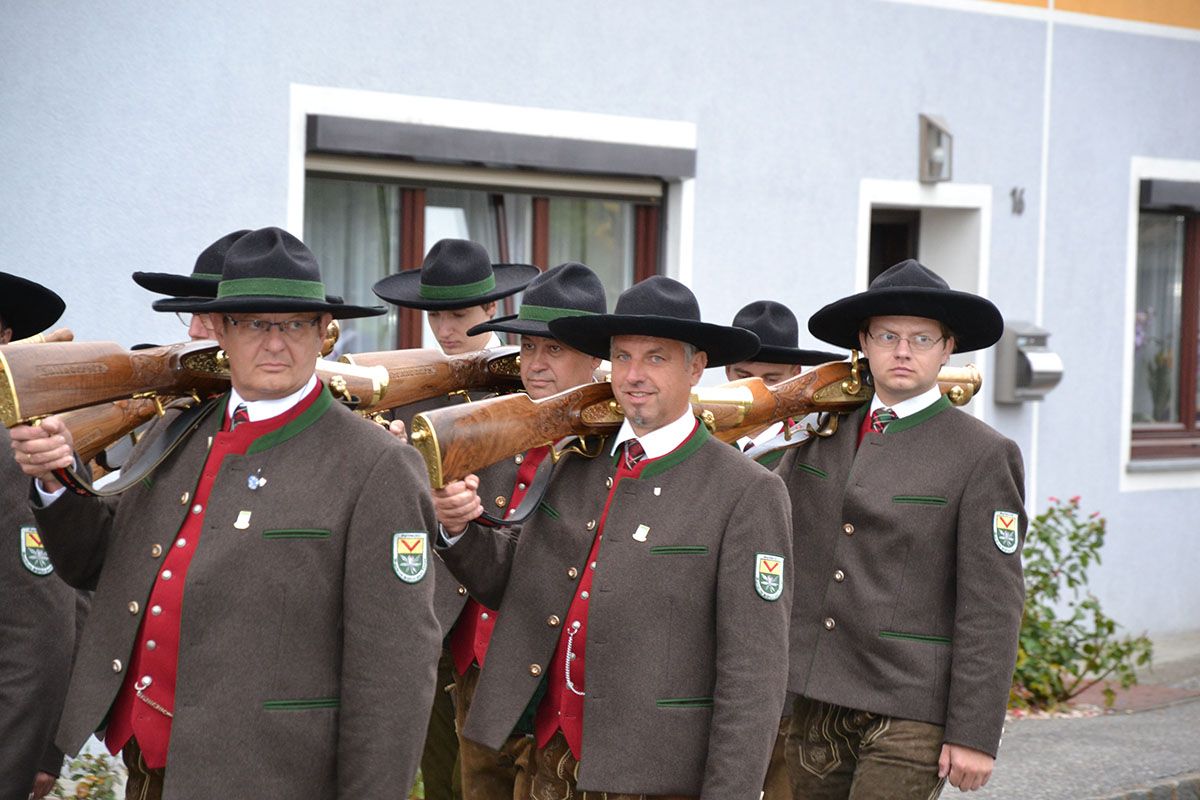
(411, 375)
(457, 440)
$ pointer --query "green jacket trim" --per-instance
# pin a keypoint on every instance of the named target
(685, 702)
(919, 500)
(678, 455)
(298, 533)
(310, 415)
(548, 510)
(913, 420)
(811, 470)
(914, 637)
(301, 705)
(680, 550)
(772, 458)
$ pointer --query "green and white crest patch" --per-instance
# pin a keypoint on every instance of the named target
(410, 555)
(33, 552)
(1004, 531)
(768, 576)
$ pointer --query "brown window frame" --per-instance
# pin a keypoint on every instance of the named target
(1182, 439)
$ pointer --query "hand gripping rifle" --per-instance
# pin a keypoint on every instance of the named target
(458, 440)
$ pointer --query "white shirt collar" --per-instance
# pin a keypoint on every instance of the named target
(266, 409)
(657, 443)
(912, 405)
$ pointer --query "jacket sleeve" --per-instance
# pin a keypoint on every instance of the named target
(752, 643)
(990, 600)
(391, 640)
(482, 560)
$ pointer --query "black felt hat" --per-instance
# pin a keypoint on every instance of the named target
(568, 290)
(909, 289)
(662, 307)
(268, 271)
(777, 329)
(456, 273)
(206, 273)
(27, 307)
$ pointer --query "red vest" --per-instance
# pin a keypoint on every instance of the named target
(473, 631)
(155, 659)
(562, 707)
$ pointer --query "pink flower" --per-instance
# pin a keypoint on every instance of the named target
(1054, 499)
(1075, 500)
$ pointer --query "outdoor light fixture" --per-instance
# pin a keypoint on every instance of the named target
(937, 150)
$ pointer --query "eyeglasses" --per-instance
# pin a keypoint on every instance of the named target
(921, 342)
(184, 319)
(290, 328)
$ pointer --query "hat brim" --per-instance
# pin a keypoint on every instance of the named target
(975, 321)
(592, 335)
(265, 305)
(796, 355)
(512, 324)
(404, 288)
(27, 307)
(177, 285)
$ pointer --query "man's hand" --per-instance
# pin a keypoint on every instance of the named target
(968, 769)
(396, 428)
(41, 449)
(42, 784)
(457, 503)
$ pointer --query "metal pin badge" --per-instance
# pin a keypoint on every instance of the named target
(641, 533)
(256, 480)
(657, 491)
(243, 520)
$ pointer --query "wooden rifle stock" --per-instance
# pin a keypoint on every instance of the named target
(95, 428)
(413, 375)
(37, 380)
(458, 440)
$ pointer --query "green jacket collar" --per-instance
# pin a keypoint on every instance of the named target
(322, 403)
(913, 420)
(677, 456)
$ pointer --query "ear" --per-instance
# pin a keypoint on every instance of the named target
(862, 341)
(796, 370)
(489, 309)
(949, 344)
(217, 322)
(699, 362)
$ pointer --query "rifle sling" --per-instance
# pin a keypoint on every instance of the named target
(178, 430)
(521, 511)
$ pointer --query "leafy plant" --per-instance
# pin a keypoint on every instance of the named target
(1060, 657)
(95, 777)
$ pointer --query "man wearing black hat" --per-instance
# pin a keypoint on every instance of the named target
(778, 358)
(308, 643)
(909, 597)
(646, 601)
(457, 286)
(202, 282)
(548, 367)
(37, 610)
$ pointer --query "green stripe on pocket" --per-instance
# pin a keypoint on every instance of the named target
(301, 705)
(679, 550)
(548, 510)
(685, 702)
(811, 470)
(914, 637)
(919, 500)
(297, 533)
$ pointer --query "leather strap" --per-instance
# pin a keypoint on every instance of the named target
(178, 430)
(529, 503)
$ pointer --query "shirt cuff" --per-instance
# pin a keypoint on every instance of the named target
(445, 539)
(46, 498)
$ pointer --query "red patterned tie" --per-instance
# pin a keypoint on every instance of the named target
(880, 418)
(240, 415)
(634, 452)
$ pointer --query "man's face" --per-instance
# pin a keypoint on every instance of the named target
(450, 328)
(548, 366)
(652, 379)
(901, 371)
(199, 327)
(271, 363)
(771, 374)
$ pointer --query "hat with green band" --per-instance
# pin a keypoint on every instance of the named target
(568, 290)
(269, 271)
(455, 274)
(205, 275)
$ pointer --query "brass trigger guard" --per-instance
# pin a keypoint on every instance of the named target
(582, 449)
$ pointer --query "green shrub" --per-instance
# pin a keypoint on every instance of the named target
(1059, 657)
